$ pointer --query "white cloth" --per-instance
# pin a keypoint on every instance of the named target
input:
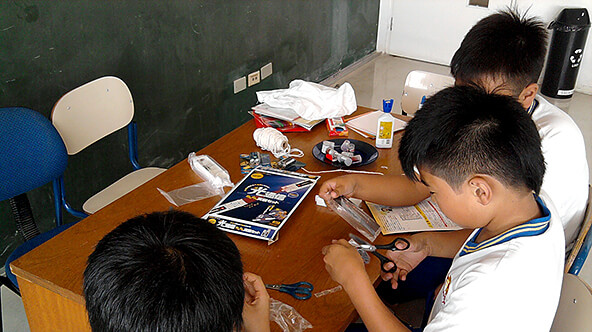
(567, 175)
(510, 286)
(312, 101)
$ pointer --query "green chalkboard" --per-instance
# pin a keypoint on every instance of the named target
(179, 59)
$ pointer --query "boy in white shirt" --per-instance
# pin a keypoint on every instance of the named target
(504, 54)
(480, 157)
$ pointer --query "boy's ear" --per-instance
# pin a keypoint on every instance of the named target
(481, 189)
(526, 97)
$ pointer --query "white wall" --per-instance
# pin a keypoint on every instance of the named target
(431, 30)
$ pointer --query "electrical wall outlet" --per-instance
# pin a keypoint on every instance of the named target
(253, 78)
(266, 71)
(240, 84)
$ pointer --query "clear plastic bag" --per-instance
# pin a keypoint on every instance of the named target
(215, 176)
(191, 193)
(287, 317)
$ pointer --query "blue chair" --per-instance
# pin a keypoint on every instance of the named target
(33, 154)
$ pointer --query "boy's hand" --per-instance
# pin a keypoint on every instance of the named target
(406, 261)
(256, 307)
(339, 186)
(343, 263)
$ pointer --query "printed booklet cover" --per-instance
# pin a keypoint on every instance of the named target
(261, 203)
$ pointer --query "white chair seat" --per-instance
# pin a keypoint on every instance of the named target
(420, 84)
(575, 306)
(120, 188)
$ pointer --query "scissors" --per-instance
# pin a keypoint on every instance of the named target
(364, 247)
(301, 290)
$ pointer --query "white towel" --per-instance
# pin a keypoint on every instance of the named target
(312, 101)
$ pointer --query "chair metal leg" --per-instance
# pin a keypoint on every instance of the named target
(21, 210)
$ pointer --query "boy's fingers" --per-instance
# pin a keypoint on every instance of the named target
(403, 275)
(389, 265)
(394, 284)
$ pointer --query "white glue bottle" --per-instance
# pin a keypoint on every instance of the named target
(384, 129)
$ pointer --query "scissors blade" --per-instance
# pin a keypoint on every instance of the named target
(361, 243)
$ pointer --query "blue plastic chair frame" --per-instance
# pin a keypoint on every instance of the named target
(580, 259)
(132, 139)
(58, 184)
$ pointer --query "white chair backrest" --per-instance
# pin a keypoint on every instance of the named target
(575, 306)
(92, 111)
(420, 84)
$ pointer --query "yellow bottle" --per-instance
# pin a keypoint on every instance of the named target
(384, 129)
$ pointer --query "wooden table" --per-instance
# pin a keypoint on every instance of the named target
(50, 277)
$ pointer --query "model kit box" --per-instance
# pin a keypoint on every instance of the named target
(261, 203)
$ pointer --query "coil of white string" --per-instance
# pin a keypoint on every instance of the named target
(274, 141)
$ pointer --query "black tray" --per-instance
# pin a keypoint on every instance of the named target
(368, 152)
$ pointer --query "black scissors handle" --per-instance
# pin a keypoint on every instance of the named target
(397, 244)
(383, 261)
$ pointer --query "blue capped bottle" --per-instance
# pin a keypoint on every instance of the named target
(385, 125)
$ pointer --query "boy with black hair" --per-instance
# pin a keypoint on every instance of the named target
(171, 271)
(480, 157)
(504, 54)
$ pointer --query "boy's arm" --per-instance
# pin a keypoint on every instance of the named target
(345, 266)
(443, 244)
(391, 190)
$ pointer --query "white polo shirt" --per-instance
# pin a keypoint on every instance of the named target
(511, 282)
(567, 176)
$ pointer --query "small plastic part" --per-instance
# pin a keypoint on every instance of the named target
(355, 216)
(327, 145)
(329, 291)
(255, 159)
(320, 201)
(348, 146)
(265, 159)
(347, 161)
(287, 317)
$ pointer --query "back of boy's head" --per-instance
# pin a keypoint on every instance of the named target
(164, 271)
(463, 131)
(504, 46)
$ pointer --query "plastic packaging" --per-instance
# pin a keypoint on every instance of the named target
(209, 170)
(355, 216)
(385, 125)
(329, 291)
(287, 317)
(215, 176)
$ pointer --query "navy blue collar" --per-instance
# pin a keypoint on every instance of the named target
(530, 228)
(532, 107)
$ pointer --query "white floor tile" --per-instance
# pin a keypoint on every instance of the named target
(14, 318)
